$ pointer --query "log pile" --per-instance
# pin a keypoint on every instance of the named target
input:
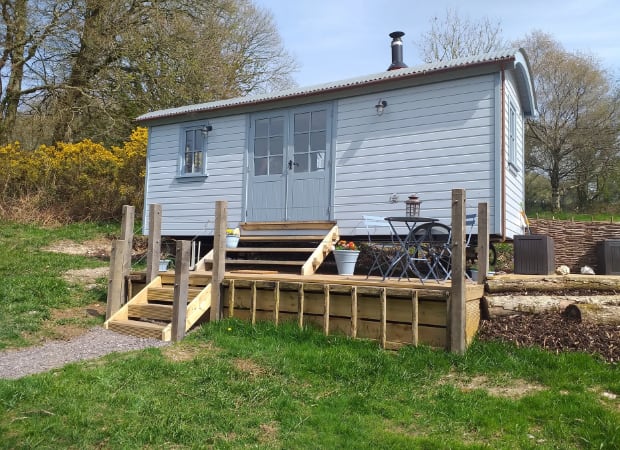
(571, 313)
(589, 298)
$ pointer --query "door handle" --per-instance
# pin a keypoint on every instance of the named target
(291, 164)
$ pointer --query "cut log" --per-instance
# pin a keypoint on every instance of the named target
(552, 283)
(598, 308)
(591, 313)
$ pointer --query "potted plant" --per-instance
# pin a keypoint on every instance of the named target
(164, 263)
(346, 254)
(232, 237)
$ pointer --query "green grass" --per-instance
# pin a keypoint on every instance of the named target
(231, 385)
(32, 285)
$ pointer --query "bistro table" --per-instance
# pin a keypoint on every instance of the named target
(409, 253)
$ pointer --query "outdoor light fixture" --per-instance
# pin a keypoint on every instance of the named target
(381, 104)
(205, 130)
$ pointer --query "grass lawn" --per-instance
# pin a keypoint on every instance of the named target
(231, 385)
(32, 288)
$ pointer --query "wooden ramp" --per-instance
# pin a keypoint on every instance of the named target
(149, 313)
(287, 247)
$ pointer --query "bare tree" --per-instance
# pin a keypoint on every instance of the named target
(574, 141)
(100, 63)
(455, 36)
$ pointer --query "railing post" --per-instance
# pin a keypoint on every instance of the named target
(181, 288)
(116, 279)
(219, 259)
(483, 242)
(127, 236)
(456, 302)
(153, 253)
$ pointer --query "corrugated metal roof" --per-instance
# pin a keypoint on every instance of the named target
(424, 69)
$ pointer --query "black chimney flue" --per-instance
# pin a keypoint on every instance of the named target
(397, 51)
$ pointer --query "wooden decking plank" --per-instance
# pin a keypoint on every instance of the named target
(137, 328)
(280, 237)
(298, 225)
(270, 249)
(264, 262)
(156, 312)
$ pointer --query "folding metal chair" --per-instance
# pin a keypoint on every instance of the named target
(380, 243)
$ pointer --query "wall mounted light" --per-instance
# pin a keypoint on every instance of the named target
(205, 130)
(380, 106)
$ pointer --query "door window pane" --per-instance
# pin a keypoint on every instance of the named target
(317, 141)
(275, 165)
(302, 122)
(262, 128)
(301, 143)
(276, 127)
(319, 120)
(260, 166)
(317, 160)
(301, 162)
(276, 145)
(260, 147)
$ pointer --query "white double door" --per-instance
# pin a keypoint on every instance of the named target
(290, 165)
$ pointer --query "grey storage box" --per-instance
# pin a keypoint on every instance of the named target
(534, 254)
(609, 256)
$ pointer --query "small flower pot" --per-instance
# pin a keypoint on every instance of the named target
(232, 241)
(163, 265)
(346, 260)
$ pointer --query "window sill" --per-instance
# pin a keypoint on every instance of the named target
(190, 178)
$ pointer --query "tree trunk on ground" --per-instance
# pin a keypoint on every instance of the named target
(593, 308)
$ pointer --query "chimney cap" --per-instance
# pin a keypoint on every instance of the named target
(396, 34)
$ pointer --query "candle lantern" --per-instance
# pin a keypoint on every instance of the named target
(412, 205)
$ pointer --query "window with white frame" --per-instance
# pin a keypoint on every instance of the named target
(193, 154)
(512, 135)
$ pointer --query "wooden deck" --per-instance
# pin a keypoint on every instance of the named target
(393, 312)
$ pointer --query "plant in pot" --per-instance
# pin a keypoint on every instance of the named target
(164, 262)
(232, 237)
(346, 254)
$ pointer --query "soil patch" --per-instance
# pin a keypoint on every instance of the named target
(555, 333)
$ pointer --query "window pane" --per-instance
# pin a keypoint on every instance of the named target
(262, 128)
(188, 163)
(317, 141)
(301, 162)
(317, 160)
(301, 143)
(199, 140)
(275, 165)
(260, 147)
(260, 166)
(189, 140)
(276, 145)
(277, 126)
(319, 120)
(197, 162)
(302, 122)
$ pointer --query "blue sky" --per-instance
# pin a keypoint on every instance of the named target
(338, 39)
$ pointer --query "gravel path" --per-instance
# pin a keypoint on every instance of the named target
(93, 344)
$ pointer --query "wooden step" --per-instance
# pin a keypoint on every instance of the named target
(137, 328)
(265, 262)
(151, 311)
(271, 250)
(300, 225)
(166, 293)
(280, 238)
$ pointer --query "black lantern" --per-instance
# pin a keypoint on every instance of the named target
(413, 206)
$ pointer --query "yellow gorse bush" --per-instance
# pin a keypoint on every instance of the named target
(83, 180)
